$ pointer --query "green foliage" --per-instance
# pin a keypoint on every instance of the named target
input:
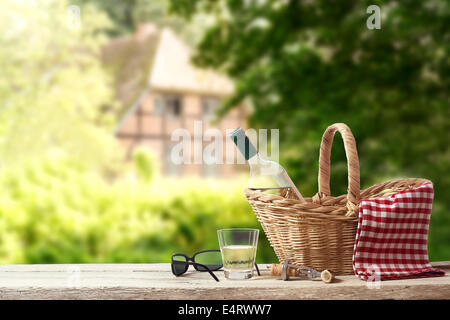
(307, 64)
(53, 90)
(65, 196)
(57, 210)
(145, 163)
(304, 65)
(127, 15)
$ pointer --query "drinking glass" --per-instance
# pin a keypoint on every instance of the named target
(238, 248)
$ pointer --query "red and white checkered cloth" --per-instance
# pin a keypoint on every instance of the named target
(391, 239)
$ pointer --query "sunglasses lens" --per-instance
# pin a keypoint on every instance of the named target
(179, 265)
(213, 260)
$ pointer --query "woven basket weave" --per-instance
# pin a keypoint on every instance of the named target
(321, 232)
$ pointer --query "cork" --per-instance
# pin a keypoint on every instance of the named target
(326, 276)
(277, 269)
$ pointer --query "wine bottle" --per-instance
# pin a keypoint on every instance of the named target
(264, 174)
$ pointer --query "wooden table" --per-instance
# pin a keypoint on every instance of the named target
(155, 281)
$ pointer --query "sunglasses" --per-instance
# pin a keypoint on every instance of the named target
(203, 261)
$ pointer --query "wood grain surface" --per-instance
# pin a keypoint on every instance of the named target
(155, 281)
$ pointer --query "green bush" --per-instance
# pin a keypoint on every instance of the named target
(145, 163)
(57, 211)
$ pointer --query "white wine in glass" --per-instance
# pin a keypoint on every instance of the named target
(238, 257)
(238, 248)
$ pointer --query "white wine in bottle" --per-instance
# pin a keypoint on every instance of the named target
(264, 174)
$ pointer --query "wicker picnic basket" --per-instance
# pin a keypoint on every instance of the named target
(321, 232)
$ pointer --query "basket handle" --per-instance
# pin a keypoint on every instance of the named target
(353, 191)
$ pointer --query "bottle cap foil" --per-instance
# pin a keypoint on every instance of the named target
(243, 143)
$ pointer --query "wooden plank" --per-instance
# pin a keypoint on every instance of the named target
(441, 264)
(155, 281)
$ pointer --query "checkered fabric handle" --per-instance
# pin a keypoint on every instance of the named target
(391, 239)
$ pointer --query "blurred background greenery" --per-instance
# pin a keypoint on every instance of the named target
(67, 195)
(58, 211)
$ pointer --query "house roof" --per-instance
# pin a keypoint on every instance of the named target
(173, 71)
(130, 59)
(157, 60)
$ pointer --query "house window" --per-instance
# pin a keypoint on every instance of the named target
(210, 105)
(170, 105)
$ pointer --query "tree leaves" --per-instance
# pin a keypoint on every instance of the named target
(314, 63)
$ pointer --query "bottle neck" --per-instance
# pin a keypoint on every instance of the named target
(244, 145)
